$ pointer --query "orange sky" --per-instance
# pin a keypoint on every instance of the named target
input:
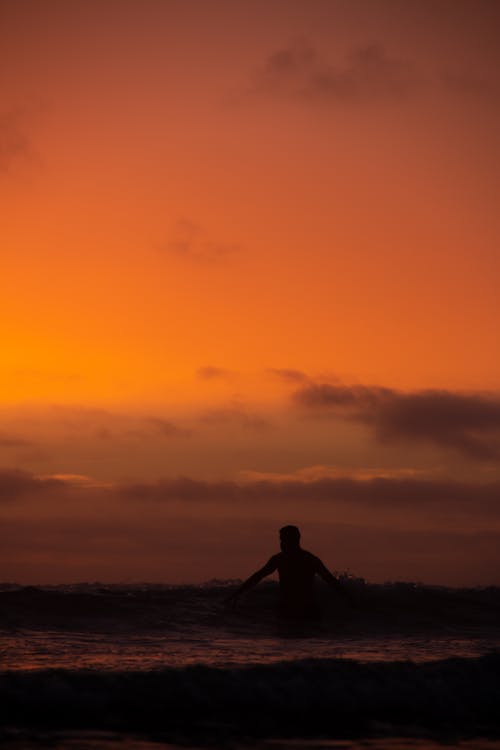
(214, 214)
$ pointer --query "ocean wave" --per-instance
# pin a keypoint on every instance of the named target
(309, 698)
(381, 608)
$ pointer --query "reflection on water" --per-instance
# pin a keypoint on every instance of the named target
(28, 649)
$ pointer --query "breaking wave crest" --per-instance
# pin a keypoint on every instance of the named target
(301, 699)
(390, 607)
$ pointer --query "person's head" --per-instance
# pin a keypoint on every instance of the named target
(289, 538)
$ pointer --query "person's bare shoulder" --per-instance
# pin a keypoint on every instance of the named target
(275, 558)
(309, 554)
(314, 561)
(272, 563)
(311, 559)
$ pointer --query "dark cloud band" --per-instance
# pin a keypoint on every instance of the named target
(467, 423)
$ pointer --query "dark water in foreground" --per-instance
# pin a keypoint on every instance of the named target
(142, 667)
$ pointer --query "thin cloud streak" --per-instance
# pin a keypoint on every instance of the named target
(209, 372)
(289, 375)
(190, 241)
(168, 429)
(16, 484)
(13, 141)
(369, 492)
(374, 493)
(368, 73)
(237, 415)
(78, 421)
(8, 440)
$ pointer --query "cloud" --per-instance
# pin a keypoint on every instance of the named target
(465, 422)
(13, 441)
(367, 73)
(16, 484)
(388, 494)
(320, 471)
(235, 414)
(13, 142)
(190, 241)
(330, 397)
(288, 375)
(376, 493)
(208, 372)
(167, 428)
(185, 235)
(81, 421)
(76, 480)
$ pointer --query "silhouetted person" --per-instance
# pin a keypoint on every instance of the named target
(296, 569)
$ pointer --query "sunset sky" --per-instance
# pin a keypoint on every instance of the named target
(250, 272)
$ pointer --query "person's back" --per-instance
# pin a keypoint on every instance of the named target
(296, 569)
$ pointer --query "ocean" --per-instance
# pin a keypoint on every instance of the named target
(150, 666)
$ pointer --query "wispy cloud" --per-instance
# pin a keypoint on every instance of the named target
(76, 480)
(9, 440)
(402, 489)
(13, 141)
(314, 473)
(107, 425)
(189, 240)
(289, 375)
(465, 422)
(209, 372)
(403, 492)
(235, 413)
(166, 428)
(16, 484)
(367, 73)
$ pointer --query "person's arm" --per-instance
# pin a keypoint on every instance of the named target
(254, 579)
(334, 583)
